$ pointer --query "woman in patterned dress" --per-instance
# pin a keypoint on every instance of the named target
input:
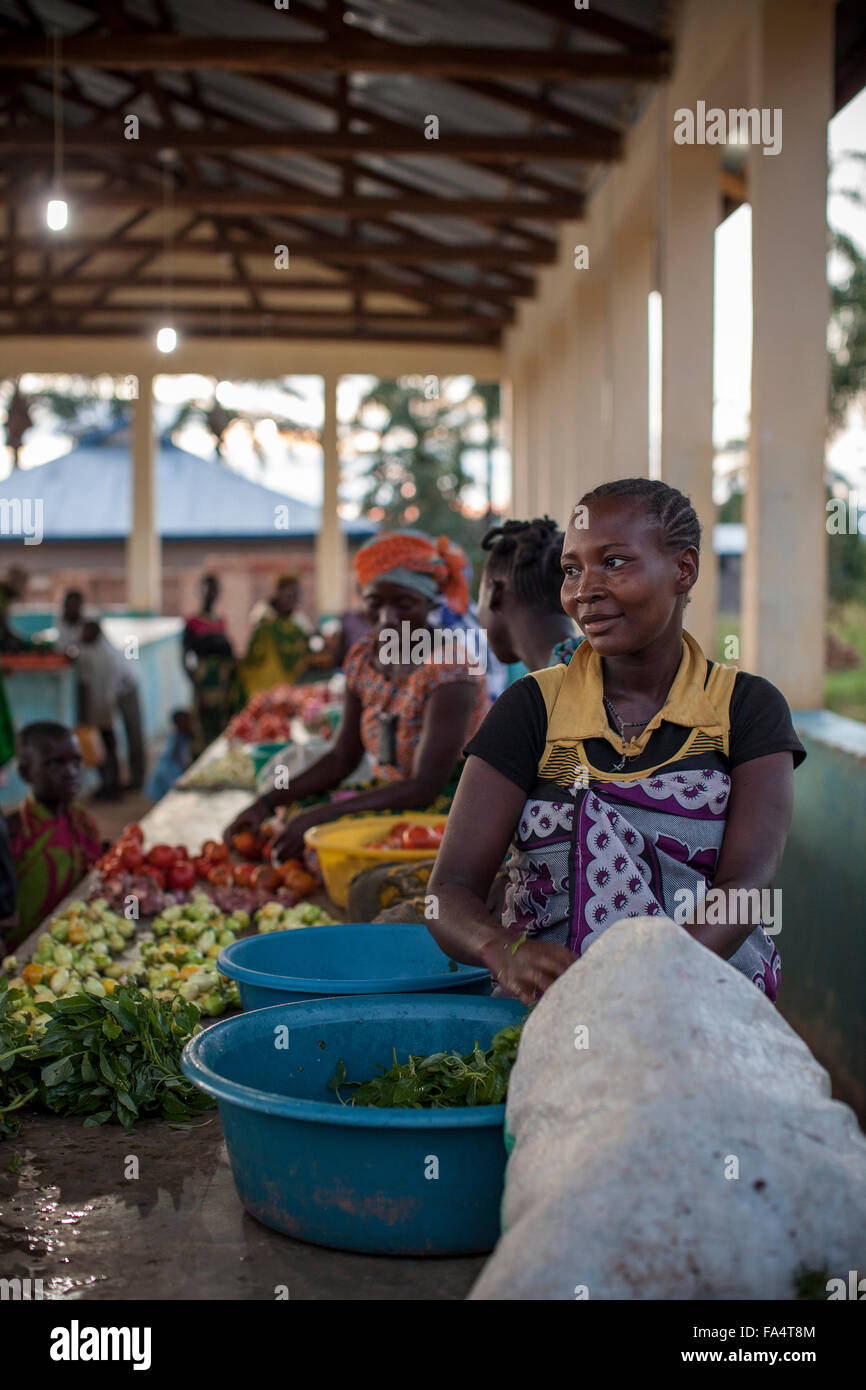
(412, 718)
(635, 780)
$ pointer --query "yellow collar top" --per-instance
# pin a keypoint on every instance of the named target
(573, 696)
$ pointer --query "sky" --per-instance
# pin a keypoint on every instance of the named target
(294, 466)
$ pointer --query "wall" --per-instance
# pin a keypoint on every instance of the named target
(823, 936)
(98, 568)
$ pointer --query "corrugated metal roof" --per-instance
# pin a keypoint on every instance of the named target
(86, 496)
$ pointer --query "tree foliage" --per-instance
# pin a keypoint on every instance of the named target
(416, 476)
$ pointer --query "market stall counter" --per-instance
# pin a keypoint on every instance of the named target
(99, 1213)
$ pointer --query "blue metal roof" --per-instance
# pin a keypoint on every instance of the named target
(86, 495)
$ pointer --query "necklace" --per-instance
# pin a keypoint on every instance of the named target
(622, 725)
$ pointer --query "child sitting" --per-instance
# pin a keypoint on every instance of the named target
(175, 758)
(54, 841)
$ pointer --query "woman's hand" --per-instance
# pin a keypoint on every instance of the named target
(524, 969)
(289, 844)
(251, 818)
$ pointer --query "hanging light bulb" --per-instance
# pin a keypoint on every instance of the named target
(166, 340)
(57, 214)
(57, 210)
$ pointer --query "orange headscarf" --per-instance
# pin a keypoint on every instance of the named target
(412, 551)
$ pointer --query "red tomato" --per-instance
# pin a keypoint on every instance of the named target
(420, 837)
(132, 856)
(215, 851)
(202, 866)
(267, 877)
(247, 844)
(133, 832)
(181, 876)
(220, 874)
(181, 852)
(150, 871)
(162, 856)
(243, 875)
(110, 864)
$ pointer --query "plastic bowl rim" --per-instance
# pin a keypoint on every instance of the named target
(318, 1112)
(293, 984)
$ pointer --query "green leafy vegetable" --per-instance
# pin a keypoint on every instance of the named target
(110, 1058)
(441, 1080)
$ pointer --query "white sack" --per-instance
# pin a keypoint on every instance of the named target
(616, 1182)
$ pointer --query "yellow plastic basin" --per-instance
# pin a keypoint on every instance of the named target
(340, 847)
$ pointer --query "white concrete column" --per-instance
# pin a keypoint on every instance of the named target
(593, 450)
(691, 215)
(630, 283)
(552, 462)
(785, 572)
(536, 437)
(143, 548)
(330, 542)
(519, 418)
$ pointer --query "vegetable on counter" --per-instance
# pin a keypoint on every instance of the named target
(405, 835)
(111, 1059)
(268, 716)
(234, 769)
(274, 917)
(442, 1080)
(77, 952)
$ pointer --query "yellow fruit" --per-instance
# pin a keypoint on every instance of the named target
(77, 934)
(109, 985)
(33, 973)
(188, 971)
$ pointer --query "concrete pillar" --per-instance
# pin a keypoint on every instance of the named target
(519, 441)
(630, 283)
(791, 68)
(691, 215)
(554, 423)
(536, 437)
(593, 462)
(143, 549)
(330, 542)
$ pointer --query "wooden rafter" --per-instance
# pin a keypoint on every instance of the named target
(414, 253)
(184, 52)
(221, 200)
(39, 139)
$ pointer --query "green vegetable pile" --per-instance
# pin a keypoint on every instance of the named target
(441, 1080)
(276, 916)
(115, 1058)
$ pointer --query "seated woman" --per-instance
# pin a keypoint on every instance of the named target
(520, 609)
(638, 770)
(54, 841)
(279, 649)
(412, 718)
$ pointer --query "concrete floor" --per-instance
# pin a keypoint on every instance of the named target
(68, 1216)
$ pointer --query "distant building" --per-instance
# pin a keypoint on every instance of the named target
(209, 518)
(729, 544)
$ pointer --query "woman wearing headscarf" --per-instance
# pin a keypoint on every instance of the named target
(412, 714)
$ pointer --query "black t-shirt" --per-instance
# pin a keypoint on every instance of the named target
(512, 737)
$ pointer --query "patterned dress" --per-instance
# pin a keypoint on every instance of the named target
(404, 701)
(594, 845)
(52, 852)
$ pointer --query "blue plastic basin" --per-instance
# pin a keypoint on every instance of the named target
(349, 958)
(356, 1177)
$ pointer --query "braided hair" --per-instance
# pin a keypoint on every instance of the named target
(528, 554)
(677, 519)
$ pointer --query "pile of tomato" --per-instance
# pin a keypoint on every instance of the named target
(172, 867)
(405, 835)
